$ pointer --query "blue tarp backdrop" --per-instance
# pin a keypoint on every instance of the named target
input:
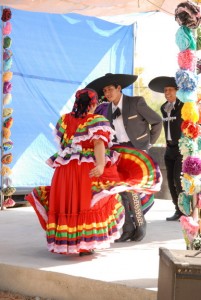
(53, 56)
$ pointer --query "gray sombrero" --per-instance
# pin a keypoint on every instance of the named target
(159, 83)
(123, 80)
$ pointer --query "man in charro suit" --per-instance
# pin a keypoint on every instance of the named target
(136, 125)
(171, 112)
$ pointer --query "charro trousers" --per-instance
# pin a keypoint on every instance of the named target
(173, 163)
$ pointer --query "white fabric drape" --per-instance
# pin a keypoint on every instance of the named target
(96, 8)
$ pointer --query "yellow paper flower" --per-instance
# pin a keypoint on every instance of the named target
(5, 170)
(7, 76)
(189, 111)
(6, 132)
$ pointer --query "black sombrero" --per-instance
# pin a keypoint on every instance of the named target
(159, 83)
(123, 80)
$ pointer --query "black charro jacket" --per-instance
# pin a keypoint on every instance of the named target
(175, 121)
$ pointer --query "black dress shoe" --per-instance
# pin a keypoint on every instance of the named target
(175, 217)
(86, 253)
(125, 237)
(140, 233)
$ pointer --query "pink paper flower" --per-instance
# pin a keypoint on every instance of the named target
(9, 202)
(190, 227)
(187, 60)
(7, 29)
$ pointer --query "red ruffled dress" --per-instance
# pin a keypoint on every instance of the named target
(82, 213)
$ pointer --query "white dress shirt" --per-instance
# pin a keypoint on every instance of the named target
(121, 134)
(168, 108)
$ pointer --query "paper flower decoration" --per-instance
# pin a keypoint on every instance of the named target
(188, 184)
(190, 129)
(7, 99)
(189, 225)
(8, 191)
(7, 112)
(7, 181)
(5, 171)
(7, 42)
(9, 202)
(197, 243)
(8, 145)
(6, 132)
(187, 60)
(191, 184)
(186, 80)
(188, 14)
(199, 143)
(198, 66)
(199, 109)
(7, 29)
(7, 87)
(190, 228)
(8, 122)
(7, 76)
(185, 203)
(6, 15)
(184, 96)
(189, 111)
(198, 42)
(199, 200)
(185, 39)
(7, 64)
(7, 54)
(192, 165)
(188, 146)
(7, 158)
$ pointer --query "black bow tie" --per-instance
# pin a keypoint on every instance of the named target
(116, 113)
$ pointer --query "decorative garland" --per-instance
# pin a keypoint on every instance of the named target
(188, 39)
(6, 144)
